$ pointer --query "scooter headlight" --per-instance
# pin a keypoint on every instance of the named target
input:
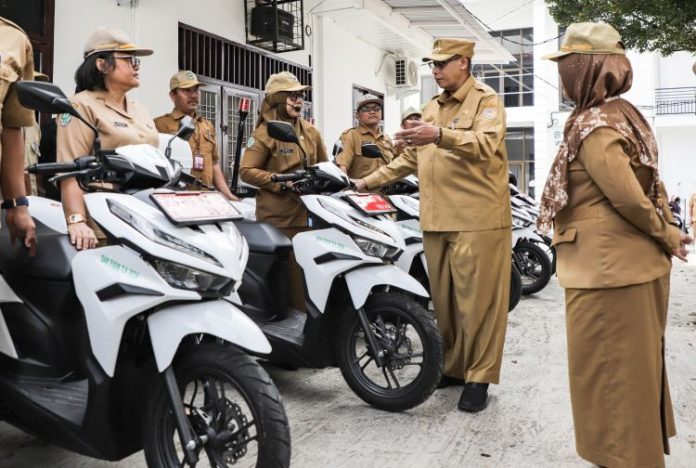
(376, 249)
(184, 277)
(149, 230)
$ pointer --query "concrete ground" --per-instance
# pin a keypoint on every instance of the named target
(528, 422)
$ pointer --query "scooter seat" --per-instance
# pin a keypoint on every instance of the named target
(263, 237)
(54, 254)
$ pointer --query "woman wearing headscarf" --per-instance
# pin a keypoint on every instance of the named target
(264, 156)
(111, 68)
(614, 245)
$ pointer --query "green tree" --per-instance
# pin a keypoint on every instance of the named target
(666, 26)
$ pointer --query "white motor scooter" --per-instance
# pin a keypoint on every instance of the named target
(130, 345)
(361, 310)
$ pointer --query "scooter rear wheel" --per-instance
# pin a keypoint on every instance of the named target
(231, 403)
(515, 287)
(408, 337)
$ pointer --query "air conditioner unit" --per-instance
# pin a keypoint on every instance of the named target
(398, 72)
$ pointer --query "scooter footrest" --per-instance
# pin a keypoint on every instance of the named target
(291, 328)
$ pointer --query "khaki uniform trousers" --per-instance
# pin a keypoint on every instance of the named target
(470, 287)
(296, 288)
(622, 409)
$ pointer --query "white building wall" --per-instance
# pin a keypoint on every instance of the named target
(339, 58)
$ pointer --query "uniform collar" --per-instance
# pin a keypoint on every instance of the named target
(365, 130)
(459, 94)
(113, 105)
(178, 115)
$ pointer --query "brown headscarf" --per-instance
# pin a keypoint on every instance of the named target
(594, 82)
(273, 108)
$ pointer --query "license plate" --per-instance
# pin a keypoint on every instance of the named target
(371, 203)
(188, 208)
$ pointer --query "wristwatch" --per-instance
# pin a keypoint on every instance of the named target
(75, 218)
(14, 203)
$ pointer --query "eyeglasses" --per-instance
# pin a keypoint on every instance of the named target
(371, 108)
(295, 95)
(134, 61)
(442, 64)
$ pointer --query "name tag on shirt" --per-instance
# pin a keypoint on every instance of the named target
(198, 162)
(121, 124)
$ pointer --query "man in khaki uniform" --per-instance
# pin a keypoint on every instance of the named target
(350, 158)
(184, 93)
(459, 153)
(409, 115)
(16, 63)
(32, 138)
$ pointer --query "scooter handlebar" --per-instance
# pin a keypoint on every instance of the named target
(295, 176)
(56, 168)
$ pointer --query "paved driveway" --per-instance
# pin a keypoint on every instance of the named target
(528, 423)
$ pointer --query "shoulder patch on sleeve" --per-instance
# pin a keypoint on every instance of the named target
(489, 112)
(64, 119)
(250, 142)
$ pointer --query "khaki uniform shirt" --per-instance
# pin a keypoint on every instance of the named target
(16, 63)
(692, 209)
(610, 234)
(351, 156)
(117, 127)
(463, 180)
(32, 138)
(203, 142)
(264, 157)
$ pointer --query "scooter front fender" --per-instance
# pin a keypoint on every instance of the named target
(526, 234)
(219, 318)
(360, 282)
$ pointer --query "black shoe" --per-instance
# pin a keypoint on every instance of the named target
(474, 397)
(447, 381)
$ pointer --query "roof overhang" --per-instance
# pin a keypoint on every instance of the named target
(409, 27)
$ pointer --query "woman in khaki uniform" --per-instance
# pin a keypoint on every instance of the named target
(110, 69)
(277, 204)
(614, 246)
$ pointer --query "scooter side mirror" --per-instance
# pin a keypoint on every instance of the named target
(186, 128)
(44, 97)
(49, 99)
(370, 150)
(282, 131)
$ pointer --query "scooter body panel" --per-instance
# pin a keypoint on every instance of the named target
(323, 255)
(216, 318)
(95, 271)
(362, 281)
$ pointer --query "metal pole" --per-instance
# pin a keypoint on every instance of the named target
(243, 113)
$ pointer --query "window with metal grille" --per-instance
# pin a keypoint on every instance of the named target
(232, 71)
(220, 59)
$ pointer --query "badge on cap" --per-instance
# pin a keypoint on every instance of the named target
(65, 119)
(489, 113)
(190, 76)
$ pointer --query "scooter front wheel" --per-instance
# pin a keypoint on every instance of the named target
(406, 366)
(232, 407)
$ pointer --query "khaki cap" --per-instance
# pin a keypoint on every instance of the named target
(446, 48)
(409, 112)
(589, 38)
(284, 81)
(105, 39)
(368, 99)
(184, 79)
(38, 76)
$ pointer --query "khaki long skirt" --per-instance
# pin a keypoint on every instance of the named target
(622, 410)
